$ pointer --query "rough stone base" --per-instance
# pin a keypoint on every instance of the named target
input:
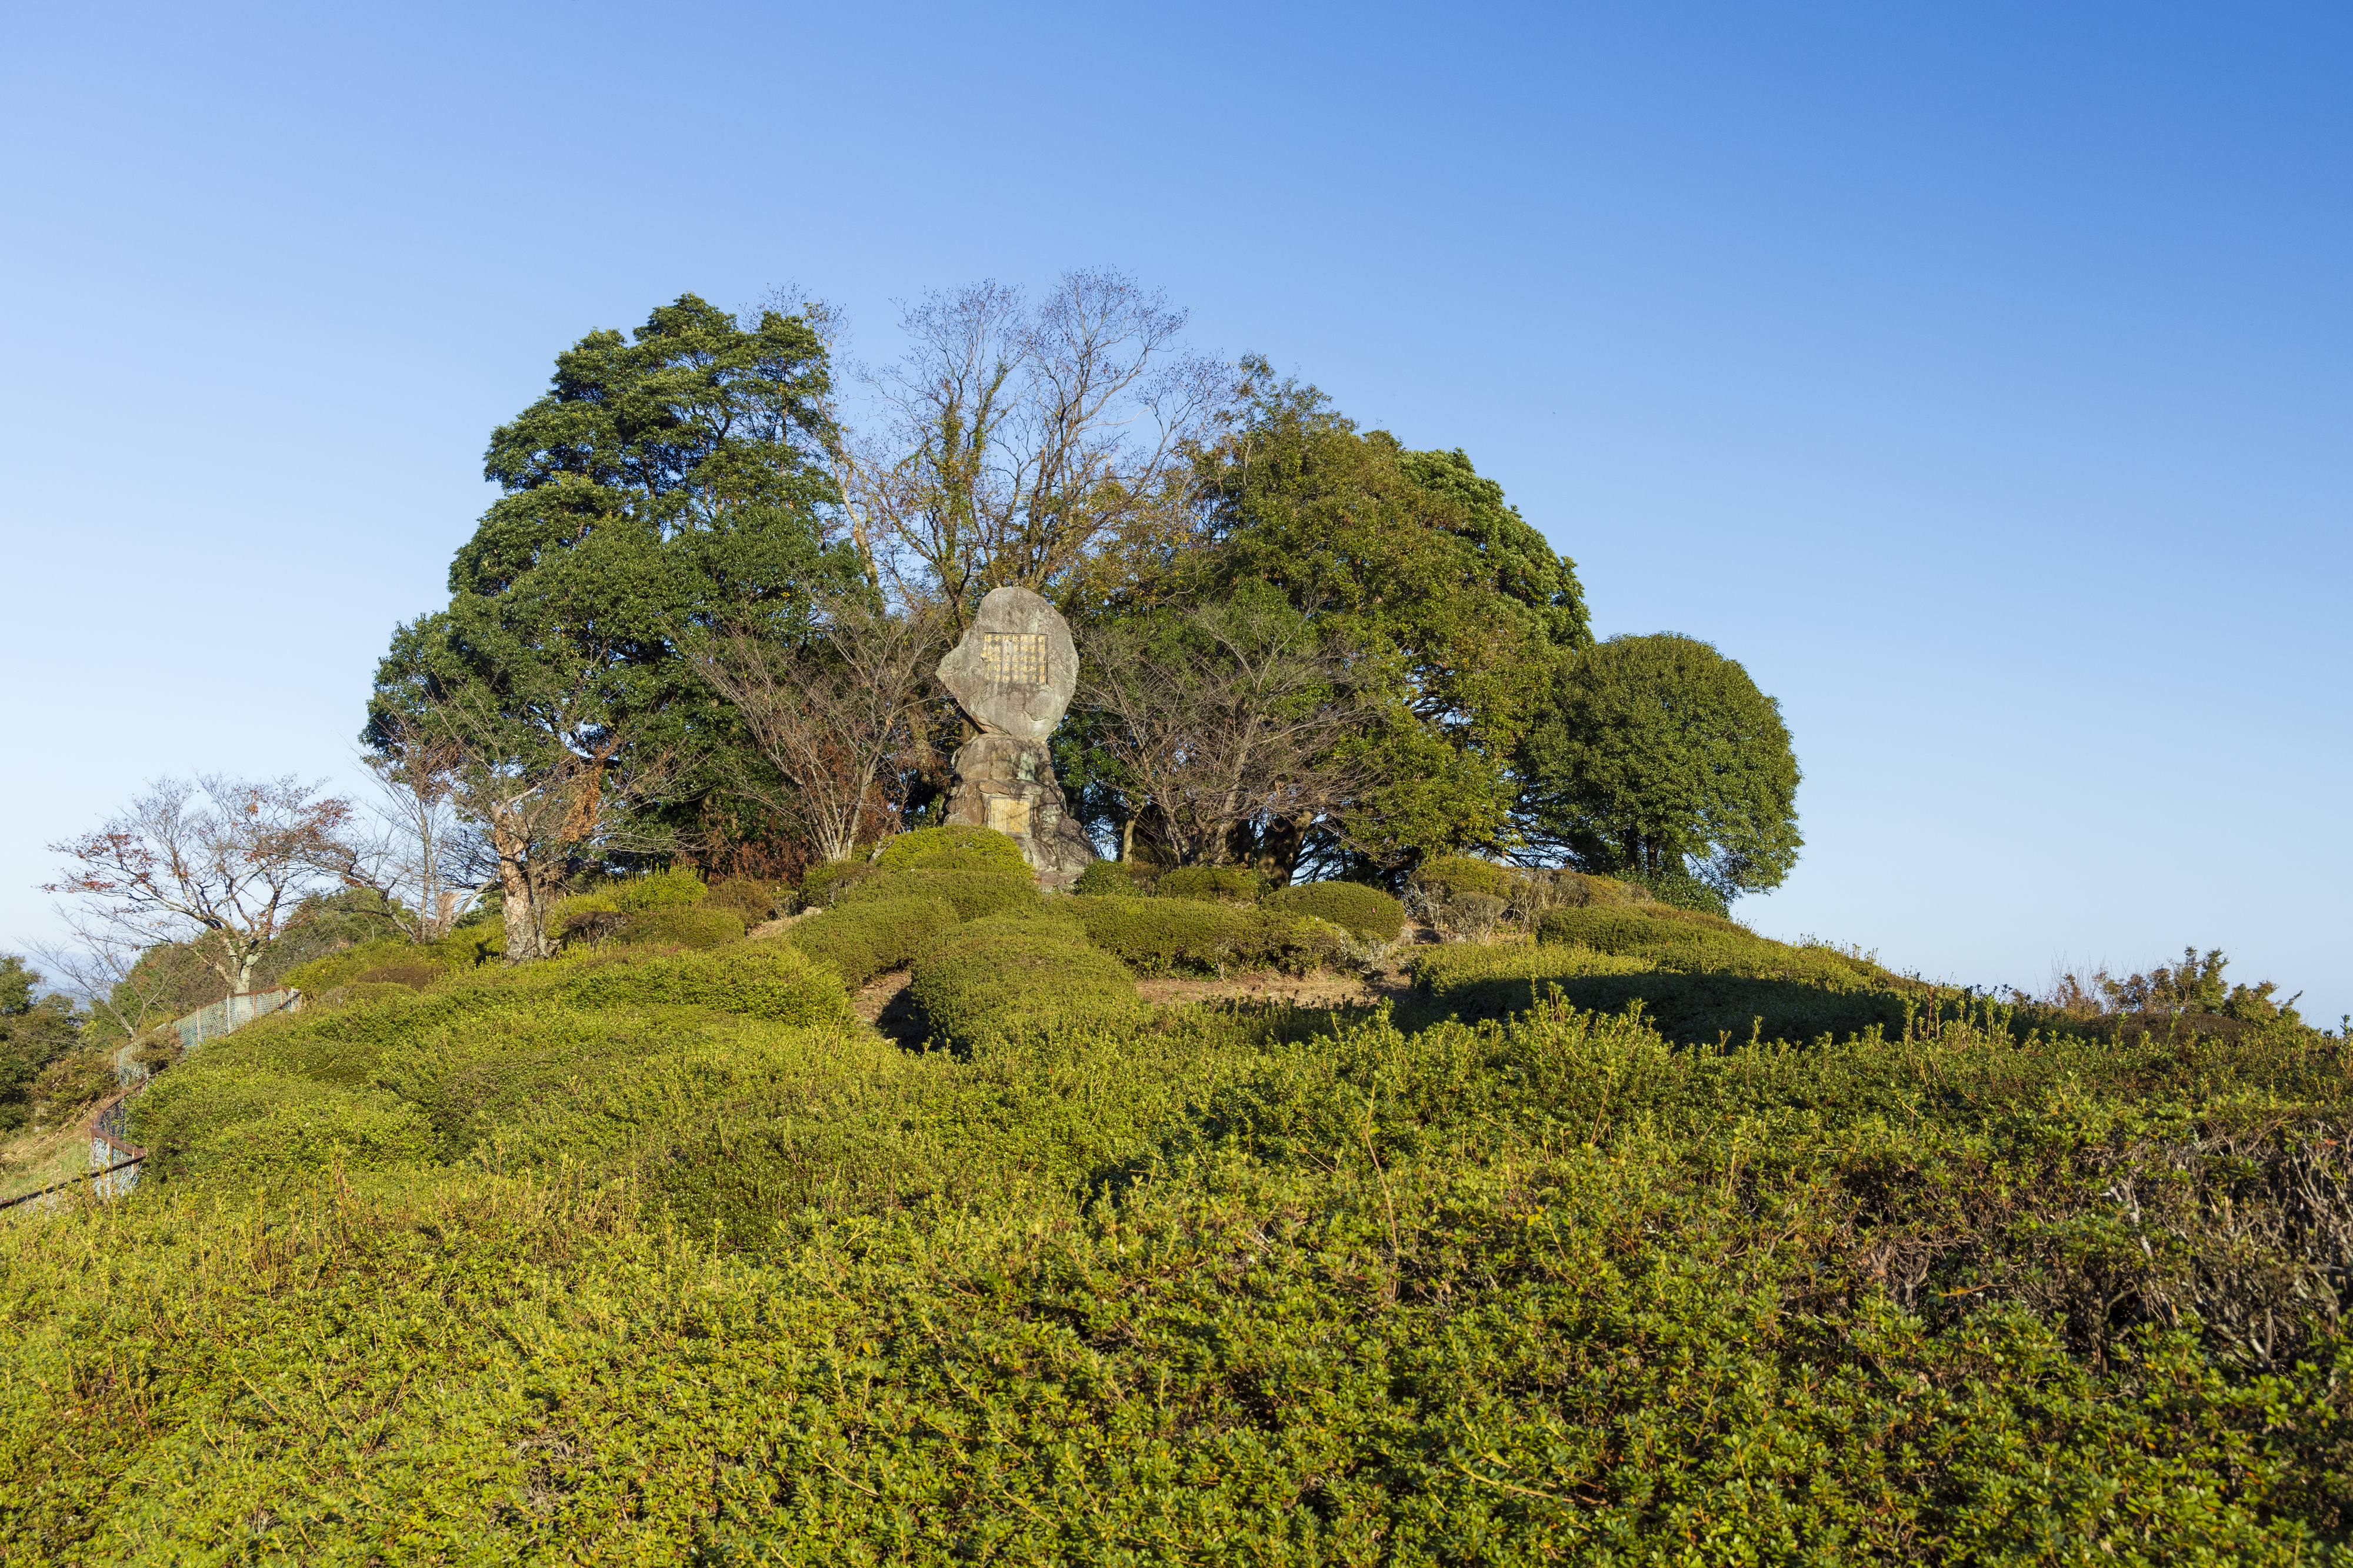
(1008, 784)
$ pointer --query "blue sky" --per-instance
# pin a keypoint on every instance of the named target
(1978, 376)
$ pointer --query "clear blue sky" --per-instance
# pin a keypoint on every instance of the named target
(1977, 376)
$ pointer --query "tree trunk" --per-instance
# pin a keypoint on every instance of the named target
(521, 907)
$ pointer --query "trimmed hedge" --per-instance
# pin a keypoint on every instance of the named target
(1213, 884)
(825, 883)
(1466, 874)
(1188, 936)
(456, 953)
(1352, 907)
(1110, 879)
(872, 937)
(782, 983)
(992, 980)
(974, 894)
(954, 849)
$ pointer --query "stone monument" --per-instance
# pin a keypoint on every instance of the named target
(1013, 675)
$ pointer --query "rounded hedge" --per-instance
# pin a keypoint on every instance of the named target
(972, 847)
(974, 894)
(1352, 907)
(1466, 874)
(994, 979)
(1213, 884)
(1605, 930)
(872, 937)
(1110, 879)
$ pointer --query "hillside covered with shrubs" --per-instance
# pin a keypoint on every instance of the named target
(1624, 1236)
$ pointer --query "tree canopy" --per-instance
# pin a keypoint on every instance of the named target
(1659, 759)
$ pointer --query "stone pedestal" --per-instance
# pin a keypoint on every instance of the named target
(1013, 672)
(1007, 784)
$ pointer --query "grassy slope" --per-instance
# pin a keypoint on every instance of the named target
(639, 1256)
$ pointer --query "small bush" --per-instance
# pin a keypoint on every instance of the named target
(991, 980)
(782, 983)
(1166, 936)
(1212, 884)
(968, 847)
(1654, 928)
(461, 950)
(751, 901)
(1361, 910)
(1465, 874)
(974, 894)
(1110, 879)
(683, 925)
(670, 890)
(823, 884)
(867, 938)
(1188, 936)
(416, 973)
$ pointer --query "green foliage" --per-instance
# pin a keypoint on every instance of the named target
(1419, 562)
(682, 925)
(766, 980)
(1699, 978)
(1660, 759)
(751, 901)
(1212, 884)
(993, 980)
(1191, 936)
(953, 849)
(1110, 879)
(1549, 1290)
(1356, 908)
(460, 953)
(828, 881)
(669, 889)
(36, 1034)
(866, 938)
(974, 894)
(1464, 874)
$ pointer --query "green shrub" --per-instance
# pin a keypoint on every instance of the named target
(235, 1121)
(871, 937)
(1188, 936)
(1361, 910)
(670, 890)
(461, 950)
(1465, 874)
(1607, 930)
(1166, 936)
(750, 900)
(1213, 884)
(967, 847)
(682, 925)
(974, 894)
(823, 884)
(991, 980)
(772, 980)
(1110, 879)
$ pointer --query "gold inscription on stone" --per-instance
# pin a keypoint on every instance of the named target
(1016, 657)
(1008, 814)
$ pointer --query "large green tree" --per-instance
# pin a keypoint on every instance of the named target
(669, 482)
(1658, 758)
(1455, 605)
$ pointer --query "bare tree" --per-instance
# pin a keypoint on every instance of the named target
(101, 966)
(1017, 443)
(417, 856)
(837, 718)
(1225, 730)
(222, 863)
(528, 822)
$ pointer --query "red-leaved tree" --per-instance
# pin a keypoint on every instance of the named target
(221, 864)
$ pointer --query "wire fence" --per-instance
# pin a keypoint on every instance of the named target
(114, 1160)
